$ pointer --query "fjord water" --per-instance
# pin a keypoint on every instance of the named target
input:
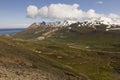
(10, 31)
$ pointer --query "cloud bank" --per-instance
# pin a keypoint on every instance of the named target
(64, 11)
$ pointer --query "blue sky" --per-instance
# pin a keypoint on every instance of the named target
(13, 12)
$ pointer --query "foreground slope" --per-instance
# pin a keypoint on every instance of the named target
(18, 62)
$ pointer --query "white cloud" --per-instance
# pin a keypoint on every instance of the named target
(62, 11)
(115, 18)
(92, 14)
(32, 11)
(99, 2)
(65, 11)
(112, 15)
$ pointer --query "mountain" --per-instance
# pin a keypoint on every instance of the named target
(47, 29)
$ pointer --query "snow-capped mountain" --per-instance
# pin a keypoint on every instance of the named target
(90, 22)
(105, 20)
(56, 24)
(98, 24)
(41, 30)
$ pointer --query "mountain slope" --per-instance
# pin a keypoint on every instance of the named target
(27, 64)
(35, 31)
(43, 30)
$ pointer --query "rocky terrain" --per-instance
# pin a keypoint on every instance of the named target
(10, 71)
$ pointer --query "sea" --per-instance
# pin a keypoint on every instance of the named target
(10, 31)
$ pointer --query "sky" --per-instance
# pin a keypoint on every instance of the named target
(22, 13)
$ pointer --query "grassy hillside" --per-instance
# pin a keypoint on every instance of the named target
(15, 52)
(95, 56)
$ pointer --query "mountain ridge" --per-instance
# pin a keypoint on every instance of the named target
(41, 30)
